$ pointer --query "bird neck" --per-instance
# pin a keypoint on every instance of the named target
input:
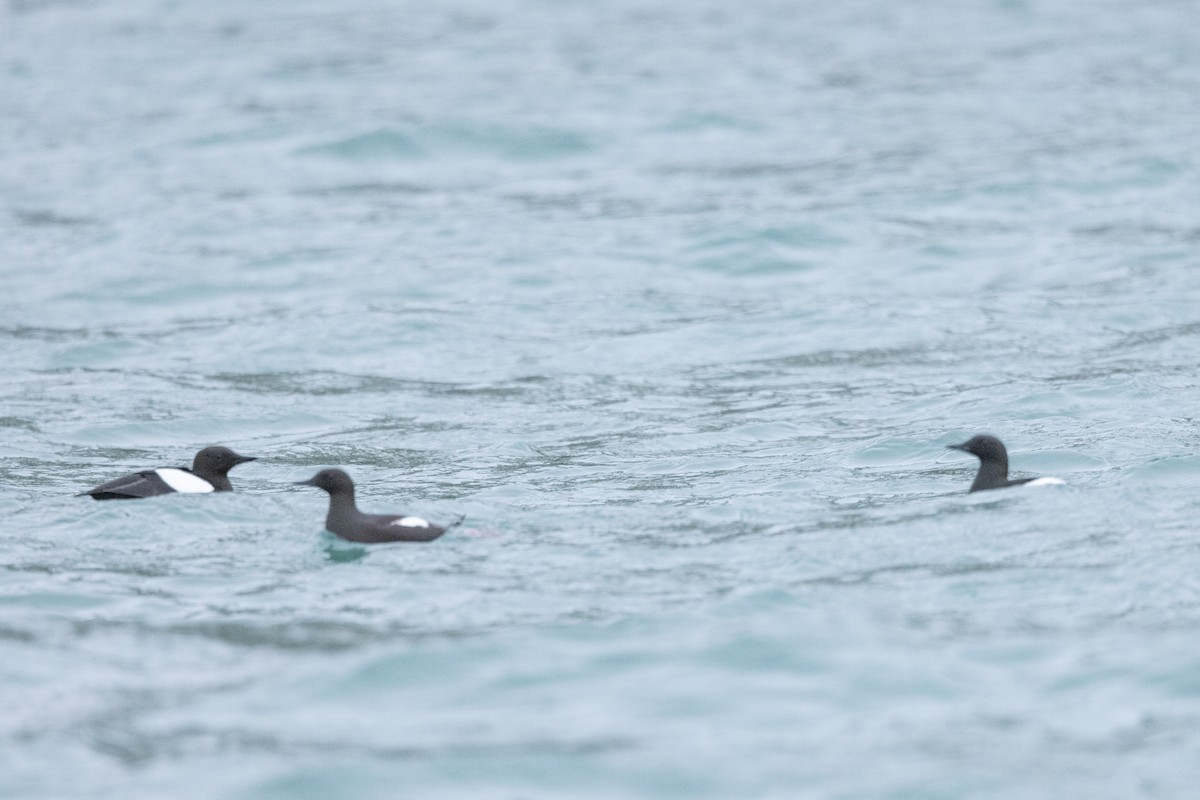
(992, 474)
(219, 480)
(342, 503)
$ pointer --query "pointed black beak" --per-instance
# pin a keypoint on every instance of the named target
(962, 447)
(244, 459)
(309, 482)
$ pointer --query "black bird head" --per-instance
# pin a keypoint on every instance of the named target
(333, 481)
(985, 447)
(217, 461)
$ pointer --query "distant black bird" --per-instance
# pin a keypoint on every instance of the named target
(993, 464)
(209, 473)
(348, 522)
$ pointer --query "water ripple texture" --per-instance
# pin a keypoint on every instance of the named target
(680, 304)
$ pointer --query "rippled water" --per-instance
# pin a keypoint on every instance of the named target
(680, 303)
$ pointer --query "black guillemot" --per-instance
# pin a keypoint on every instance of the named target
(209, 473)
(345, 520)
(993, 464)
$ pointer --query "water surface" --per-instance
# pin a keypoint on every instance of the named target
(680, 303)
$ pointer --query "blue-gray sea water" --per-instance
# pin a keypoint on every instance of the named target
(680, 303)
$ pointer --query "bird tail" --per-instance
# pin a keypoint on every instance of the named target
(456, 522)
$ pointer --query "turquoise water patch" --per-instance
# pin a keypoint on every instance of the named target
(379, 145)
(766, 251)
(1181, 469)
(509, 142)
(462, 139)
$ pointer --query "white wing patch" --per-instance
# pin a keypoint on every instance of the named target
(1046, 482)
(410, 522)
(183, 482)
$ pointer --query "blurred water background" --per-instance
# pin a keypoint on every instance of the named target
(680, 303)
